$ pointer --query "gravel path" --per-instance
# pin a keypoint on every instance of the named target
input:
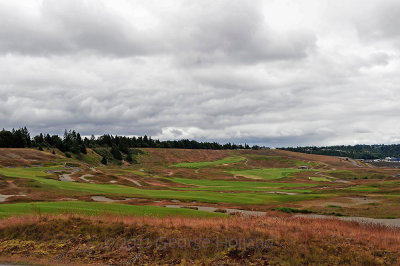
(364, 220)
(228, 210)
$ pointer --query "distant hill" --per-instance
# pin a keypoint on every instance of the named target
(378, 151)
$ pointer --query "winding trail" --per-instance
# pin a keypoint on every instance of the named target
(362, 220)
(228, 210)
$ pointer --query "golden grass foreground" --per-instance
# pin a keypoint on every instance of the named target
(119, 240)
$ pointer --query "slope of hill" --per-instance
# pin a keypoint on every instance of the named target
(223, 184)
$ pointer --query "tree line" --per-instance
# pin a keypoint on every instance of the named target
(72, 142)
(367, 152)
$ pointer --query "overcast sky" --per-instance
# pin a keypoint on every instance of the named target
(273, 72)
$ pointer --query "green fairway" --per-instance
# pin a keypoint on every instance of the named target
(266, 173)
(364, 188)
(228, 160)
(96, 208)
(103, 189)
(320, 179)
(223, 185)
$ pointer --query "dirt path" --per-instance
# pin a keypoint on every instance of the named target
(228, 210)
(3, 198)
(363, 220)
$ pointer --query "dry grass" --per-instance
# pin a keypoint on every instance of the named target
(21, 157)
(81, 240)
(172, 156)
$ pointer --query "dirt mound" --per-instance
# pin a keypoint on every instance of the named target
(20, 157)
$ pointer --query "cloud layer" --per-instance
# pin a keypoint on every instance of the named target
(273, 72)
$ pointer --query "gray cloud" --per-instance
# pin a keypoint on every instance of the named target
(271, 73)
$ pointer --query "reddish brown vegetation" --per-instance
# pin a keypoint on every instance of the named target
(171, 156)
(21, 157)
(291, 241)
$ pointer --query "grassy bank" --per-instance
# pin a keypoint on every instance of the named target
(97, 208)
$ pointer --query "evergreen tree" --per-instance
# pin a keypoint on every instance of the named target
(129, 158)
(116, 153)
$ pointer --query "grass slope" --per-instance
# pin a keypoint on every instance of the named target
(96, 208)
(228, 160)
(266, 173)
(103, 189)
(220, 185)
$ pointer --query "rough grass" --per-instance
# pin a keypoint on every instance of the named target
(169, 241)
(266, 173)
(202, 196)
(96, 208)
(228, 160)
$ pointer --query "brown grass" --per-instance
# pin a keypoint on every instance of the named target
(172, 156)
(68, 239)
(21, 157)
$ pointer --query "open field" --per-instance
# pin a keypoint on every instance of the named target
(270, 182)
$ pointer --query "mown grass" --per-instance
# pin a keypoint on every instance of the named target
(364, 188)
(228, 160)
(97, 208)
(266, 173)
(319, 179)
(279, 159)
(223, 185)
(202, 196)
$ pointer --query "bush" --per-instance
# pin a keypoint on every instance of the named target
(104, 160)
(290, 210)
(68, 155)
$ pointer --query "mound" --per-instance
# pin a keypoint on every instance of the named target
(20, 157)
(171, 156)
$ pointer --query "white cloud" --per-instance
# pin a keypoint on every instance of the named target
(272, 73)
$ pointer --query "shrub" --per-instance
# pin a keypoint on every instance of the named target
(290, 210)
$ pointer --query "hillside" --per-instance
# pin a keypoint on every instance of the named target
(178, 187)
